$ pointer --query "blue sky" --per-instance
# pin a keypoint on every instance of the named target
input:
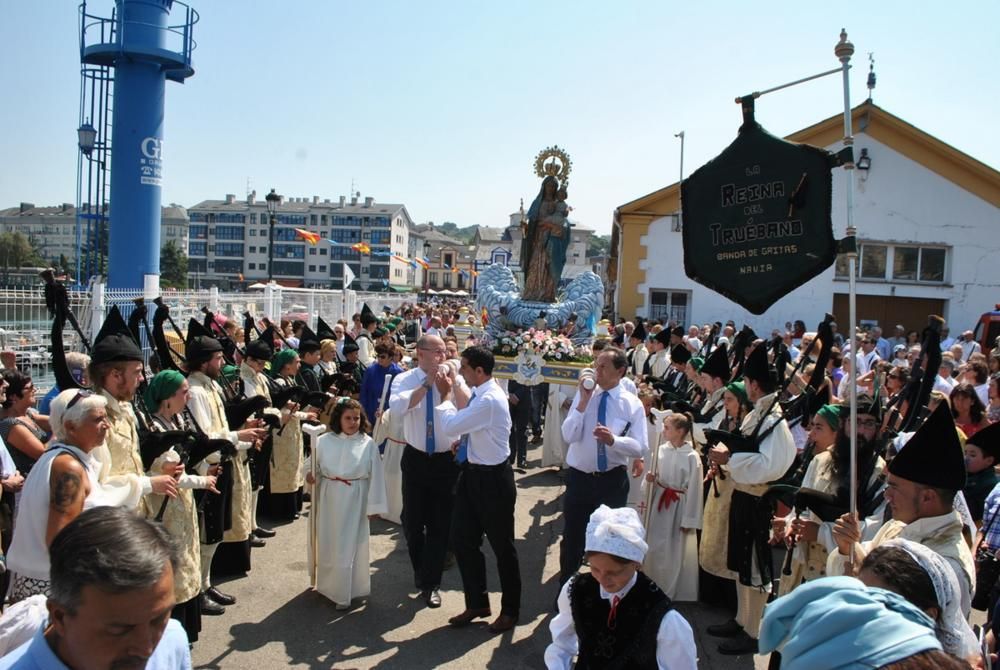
(443, 105)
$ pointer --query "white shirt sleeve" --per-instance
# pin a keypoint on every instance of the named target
(675, 647)
(559, 655)
(572, 427)
(634, 443)
(777, 452)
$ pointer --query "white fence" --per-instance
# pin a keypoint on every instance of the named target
(25, 323)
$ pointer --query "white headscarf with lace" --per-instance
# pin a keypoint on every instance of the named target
(953, 631)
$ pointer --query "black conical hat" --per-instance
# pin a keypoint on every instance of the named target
(350, 344)
(263, 347)
(366, 310)
(756, 366)
(663, 337)
(324, 331)
(308, 340)
(933, 456)
(680, 354)
(639, 332)
(200, 343)
(987, 439)
(114, 342)
(717, 364)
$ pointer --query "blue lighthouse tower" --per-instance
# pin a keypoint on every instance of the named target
(143, 49)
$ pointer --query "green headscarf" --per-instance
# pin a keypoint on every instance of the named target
(830, 414)
(281, 359)
(161, 387)
(739, 389)
(697, 362)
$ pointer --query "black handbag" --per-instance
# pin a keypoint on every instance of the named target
(987, 572)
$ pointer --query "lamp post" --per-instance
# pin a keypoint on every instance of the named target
(273, 200)
(427, 274)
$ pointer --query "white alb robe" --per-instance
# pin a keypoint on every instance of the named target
(350, 486)
(672, 558)
(554, 447)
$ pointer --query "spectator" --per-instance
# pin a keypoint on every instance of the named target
(977, 374)
(838, 339)
(969, 345)
(993, 409)
(77, 363)
(899, 337)
(946, 340)
(968, 410)
(868, 356)
(21, 428)
(112, 592)
(913, 339)
(899, 356)
(980, 461)
(839, 622)
(882, 345)
(945, 381)
(920, 575)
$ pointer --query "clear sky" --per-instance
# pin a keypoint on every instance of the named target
(442, 106)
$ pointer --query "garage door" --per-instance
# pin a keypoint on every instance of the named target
(887, 311)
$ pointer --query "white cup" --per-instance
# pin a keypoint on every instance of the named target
(587, 379)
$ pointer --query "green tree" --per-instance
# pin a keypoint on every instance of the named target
(17, 251)
(599, 245)
(173, 266)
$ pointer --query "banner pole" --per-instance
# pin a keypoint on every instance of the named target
(844, 50)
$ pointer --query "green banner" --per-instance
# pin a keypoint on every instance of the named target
(757, 218)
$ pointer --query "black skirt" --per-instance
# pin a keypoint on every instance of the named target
(749, 531)
(189, 614)
(231, 559)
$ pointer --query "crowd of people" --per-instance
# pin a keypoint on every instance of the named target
(693, 460)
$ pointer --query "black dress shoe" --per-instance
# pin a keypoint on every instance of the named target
(739, 645)
(432, 597)
(728, 629)
(263, 532)
(211, 608)
(218, 596)
(257, 543)
(466, 617)
(522, 464)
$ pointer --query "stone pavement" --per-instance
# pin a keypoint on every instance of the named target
(278, 623)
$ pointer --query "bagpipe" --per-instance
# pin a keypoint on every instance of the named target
(57, 302)
(914, 396)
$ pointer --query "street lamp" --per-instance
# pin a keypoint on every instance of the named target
(427, 274)
(86, 136)
(273, 200)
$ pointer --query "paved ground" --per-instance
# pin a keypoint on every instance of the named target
(278, 623)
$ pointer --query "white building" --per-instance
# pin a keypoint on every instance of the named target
(53, 229)
(229, 242)
(927, 219)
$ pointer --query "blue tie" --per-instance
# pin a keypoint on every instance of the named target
(602, 418)
(429, 402)
(463, 444)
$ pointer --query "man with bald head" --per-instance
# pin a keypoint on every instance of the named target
(428, 466)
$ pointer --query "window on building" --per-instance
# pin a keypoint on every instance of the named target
(229, 249)
(289, 268)
(262, 266)
(197, 248)
(251, 266)
(668, 305)
(447, 280)
(253, 250)
(229, 265)
(313, 219)
(434, 279)
(932, 261)
(253, 218)
(312, 251)
(312, 268)
(873, 261)
(904, 263)
(253, 232)
(449, 259)
(229, 232)
(322, 252)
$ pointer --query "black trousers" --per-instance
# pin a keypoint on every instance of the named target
(539, 401)
(428, 498)
(584, 494)
(520, 416)
(484, 504)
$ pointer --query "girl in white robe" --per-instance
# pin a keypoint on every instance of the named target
(350, 490)
(675, 516)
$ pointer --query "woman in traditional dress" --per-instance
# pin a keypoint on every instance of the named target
(672, 561)
(348, 490)
(167, 392)
(285, 481)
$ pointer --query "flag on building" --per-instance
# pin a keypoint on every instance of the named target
(311, 238)
(348, 276)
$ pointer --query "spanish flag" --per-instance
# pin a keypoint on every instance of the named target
(424, 264)
(311, 238)
(361, 248)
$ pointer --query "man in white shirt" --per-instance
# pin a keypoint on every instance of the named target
(969, 345)
(603, 437)
(946, 340)
(428, 467)
(868, 356)
(485, 492)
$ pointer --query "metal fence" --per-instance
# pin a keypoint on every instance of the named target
(26, 325)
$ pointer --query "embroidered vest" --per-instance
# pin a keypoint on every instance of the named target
(631, 642)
